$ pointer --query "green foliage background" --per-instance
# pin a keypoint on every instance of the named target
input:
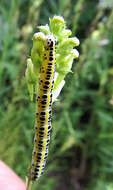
(81, 149)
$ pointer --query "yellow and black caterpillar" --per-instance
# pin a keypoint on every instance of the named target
(43, 110)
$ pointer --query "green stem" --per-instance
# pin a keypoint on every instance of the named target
(28, 184)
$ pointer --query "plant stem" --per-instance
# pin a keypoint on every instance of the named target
(28, 184)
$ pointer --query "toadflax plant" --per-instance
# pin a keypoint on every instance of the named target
(51, 59)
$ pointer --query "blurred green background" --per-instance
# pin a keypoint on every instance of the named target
(81, 148)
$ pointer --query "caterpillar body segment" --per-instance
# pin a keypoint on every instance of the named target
(43, 111)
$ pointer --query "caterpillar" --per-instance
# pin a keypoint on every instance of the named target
(43, 110)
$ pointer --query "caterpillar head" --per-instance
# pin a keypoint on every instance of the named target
(50, 41)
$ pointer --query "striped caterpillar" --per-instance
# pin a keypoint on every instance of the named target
(43, 111)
